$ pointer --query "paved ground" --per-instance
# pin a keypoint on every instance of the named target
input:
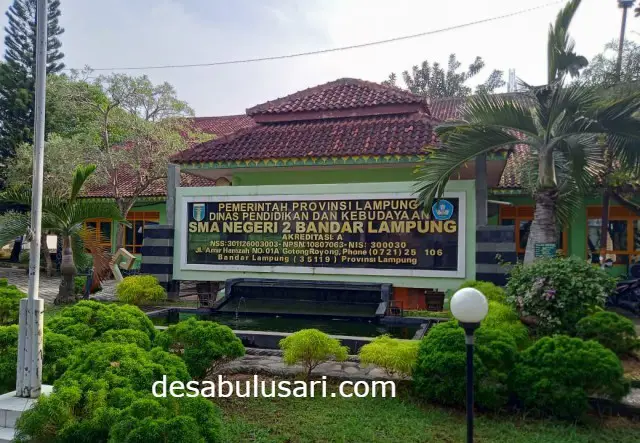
(49, 285)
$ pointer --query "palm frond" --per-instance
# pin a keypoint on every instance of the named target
(560, 55)
(12, 225)
(80, 176)
(83, 210)
(463, 144)
(494, 110)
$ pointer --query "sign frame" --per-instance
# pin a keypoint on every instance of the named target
(460, 272)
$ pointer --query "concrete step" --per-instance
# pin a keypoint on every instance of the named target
(6, 435)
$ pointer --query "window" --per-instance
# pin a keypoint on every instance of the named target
(623, 242)
(134, 235)
(102, 231)
(522, 217)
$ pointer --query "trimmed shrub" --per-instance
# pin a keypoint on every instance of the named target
(395, 356)
(558, 292)
(203, 345)
(440, 372)
(8, 356)
(120, 366)
(310, 347)
(491, 291)
(57, 347)
(87, 320)
(140, 289)
(105, 395)
(556, 375)
(127, 336)
(504, 318)
(10, 297)
(611, 330)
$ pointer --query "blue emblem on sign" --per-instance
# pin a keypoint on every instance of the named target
(198, 211)
(442, 210)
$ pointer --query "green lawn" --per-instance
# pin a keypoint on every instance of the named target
(397, 421)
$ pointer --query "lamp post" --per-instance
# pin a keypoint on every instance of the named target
(469, 306)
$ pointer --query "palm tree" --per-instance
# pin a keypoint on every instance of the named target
(563, 125)
(64, 216)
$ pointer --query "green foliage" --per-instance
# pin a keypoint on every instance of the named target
(57, 347)
(425, 313)
(127, 336)
(611, 330)
(491, 291)
(395, 356)
(88, 319)
(556, 375)
(17, 85)
(140, 290)
(439, 375)
(10, 297)
(310, 347)
(504, 318)
(203, 345)
(168, 420)
(558, 292)
(105, 395)
(436, 81)
(8, 356)
(99, 365)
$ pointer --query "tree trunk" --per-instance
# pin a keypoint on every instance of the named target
(604, 227)
(47, 256)
(125, 207)
(66, 292)
(543, 228)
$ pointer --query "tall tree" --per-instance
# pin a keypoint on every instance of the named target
(133, 129)
(435, 81)
(563, 129)
(17, 73)
(601, 71)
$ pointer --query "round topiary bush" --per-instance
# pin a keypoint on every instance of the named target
(87, 320)
(140, 290)
(440, 372)
(10, 297)
(203, 345)
(611, 330)
(8, 357)
(556, 376)
(310, 347)
(504, 318)
(394, 355)
(558, 292)
(491, 291)
(127, 336)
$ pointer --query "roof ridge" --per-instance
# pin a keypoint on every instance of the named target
(257, 109)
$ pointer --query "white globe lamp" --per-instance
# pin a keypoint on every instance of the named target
(468, 305)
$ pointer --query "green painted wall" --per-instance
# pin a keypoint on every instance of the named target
(341, 183)
(576, 230)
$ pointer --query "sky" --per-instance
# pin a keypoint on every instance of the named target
(126, 33)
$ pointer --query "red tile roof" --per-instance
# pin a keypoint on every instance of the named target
(342, 94)
(450, 108)
(157, 189)
(223, 125)
(516, 163)
(373, 135)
